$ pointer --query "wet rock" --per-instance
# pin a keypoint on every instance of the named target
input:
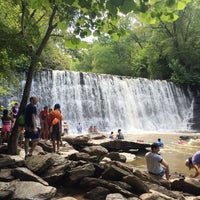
(25, 174)
(120, 145)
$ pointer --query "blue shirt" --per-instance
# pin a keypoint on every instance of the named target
(30, 109)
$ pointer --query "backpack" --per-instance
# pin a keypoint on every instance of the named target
(21, 120)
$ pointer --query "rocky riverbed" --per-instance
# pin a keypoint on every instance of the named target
(89, 167)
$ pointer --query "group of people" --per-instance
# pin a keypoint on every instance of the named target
(51, 126)
(8, 120)
(93, 130)
(158, 166)
(118, 136)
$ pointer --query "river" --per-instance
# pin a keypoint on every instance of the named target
(175, 154)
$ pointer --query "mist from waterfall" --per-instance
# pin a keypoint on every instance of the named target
(111, 102)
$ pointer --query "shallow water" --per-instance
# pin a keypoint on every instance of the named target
(175, 154)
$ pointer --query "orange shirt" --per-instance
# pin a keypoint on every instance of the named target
(55, 114)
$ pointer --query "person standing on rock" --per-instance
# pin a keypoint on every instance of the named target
(79, 128)
(194, 162)
(31, 131)
(156, 165)
(56, 127)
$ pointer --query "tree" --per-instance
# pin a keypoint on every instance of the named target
(35, 21)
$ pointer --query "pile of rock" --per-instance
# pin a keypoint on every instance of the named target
(88, 166)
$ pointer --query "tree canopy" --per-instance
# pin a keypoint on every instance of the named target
(32, 30)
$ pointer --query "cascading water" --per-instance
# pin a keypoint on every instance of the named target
(112, 102)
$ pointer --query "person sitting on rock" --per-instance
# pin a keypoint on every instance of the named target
(156, 165)
(194, 162)
(112, 136)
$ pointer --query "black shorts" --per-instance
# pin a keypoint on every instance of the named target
(56, 132)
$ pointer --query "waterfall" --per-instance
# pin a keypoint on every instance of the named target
(112, 102)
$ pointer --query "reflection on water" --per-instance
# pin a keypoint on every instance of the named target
(175, 154)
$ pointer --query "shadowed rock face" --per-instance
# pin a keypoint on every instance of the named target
(118, 145)
(40, 176)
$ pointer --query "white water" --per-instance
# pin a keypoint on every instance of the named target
(112, 102)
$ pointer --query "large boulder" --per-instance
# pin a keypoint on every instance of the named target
(5, 175)
(32, 190)
(189, 185)
(39, 163)
(138, 186)
(99, 193)
(6, 161)
(117, 157)
(79, 172)
(121, 145)
(91, 183)
(25, 174)
(113, 172)
(96, 150)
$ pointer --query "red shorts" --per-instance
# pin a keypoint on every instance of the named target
(5, 128)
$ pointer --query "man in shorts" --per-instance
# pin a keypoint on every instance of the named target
(31, 131)
(156, 165)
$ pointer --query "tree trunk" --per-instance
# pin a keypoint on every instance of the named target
(13, 142)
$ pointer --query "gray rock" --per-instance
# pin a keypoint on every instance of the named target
(6, 161)
(5, 175)
(55, 174)
(96, 151)
(114, 172)
(189, 185)
(155, 196)
(117, 157)
(138, 186)
(78, 173)
(99, 193)
(25, 174)
(32, 190)
(115, 196)
(6, 190)
(79, 156)
(39, 163)
(121, 145)
(91, 183)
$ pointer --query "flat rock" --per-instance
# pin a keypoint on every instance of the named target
(30, 190)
